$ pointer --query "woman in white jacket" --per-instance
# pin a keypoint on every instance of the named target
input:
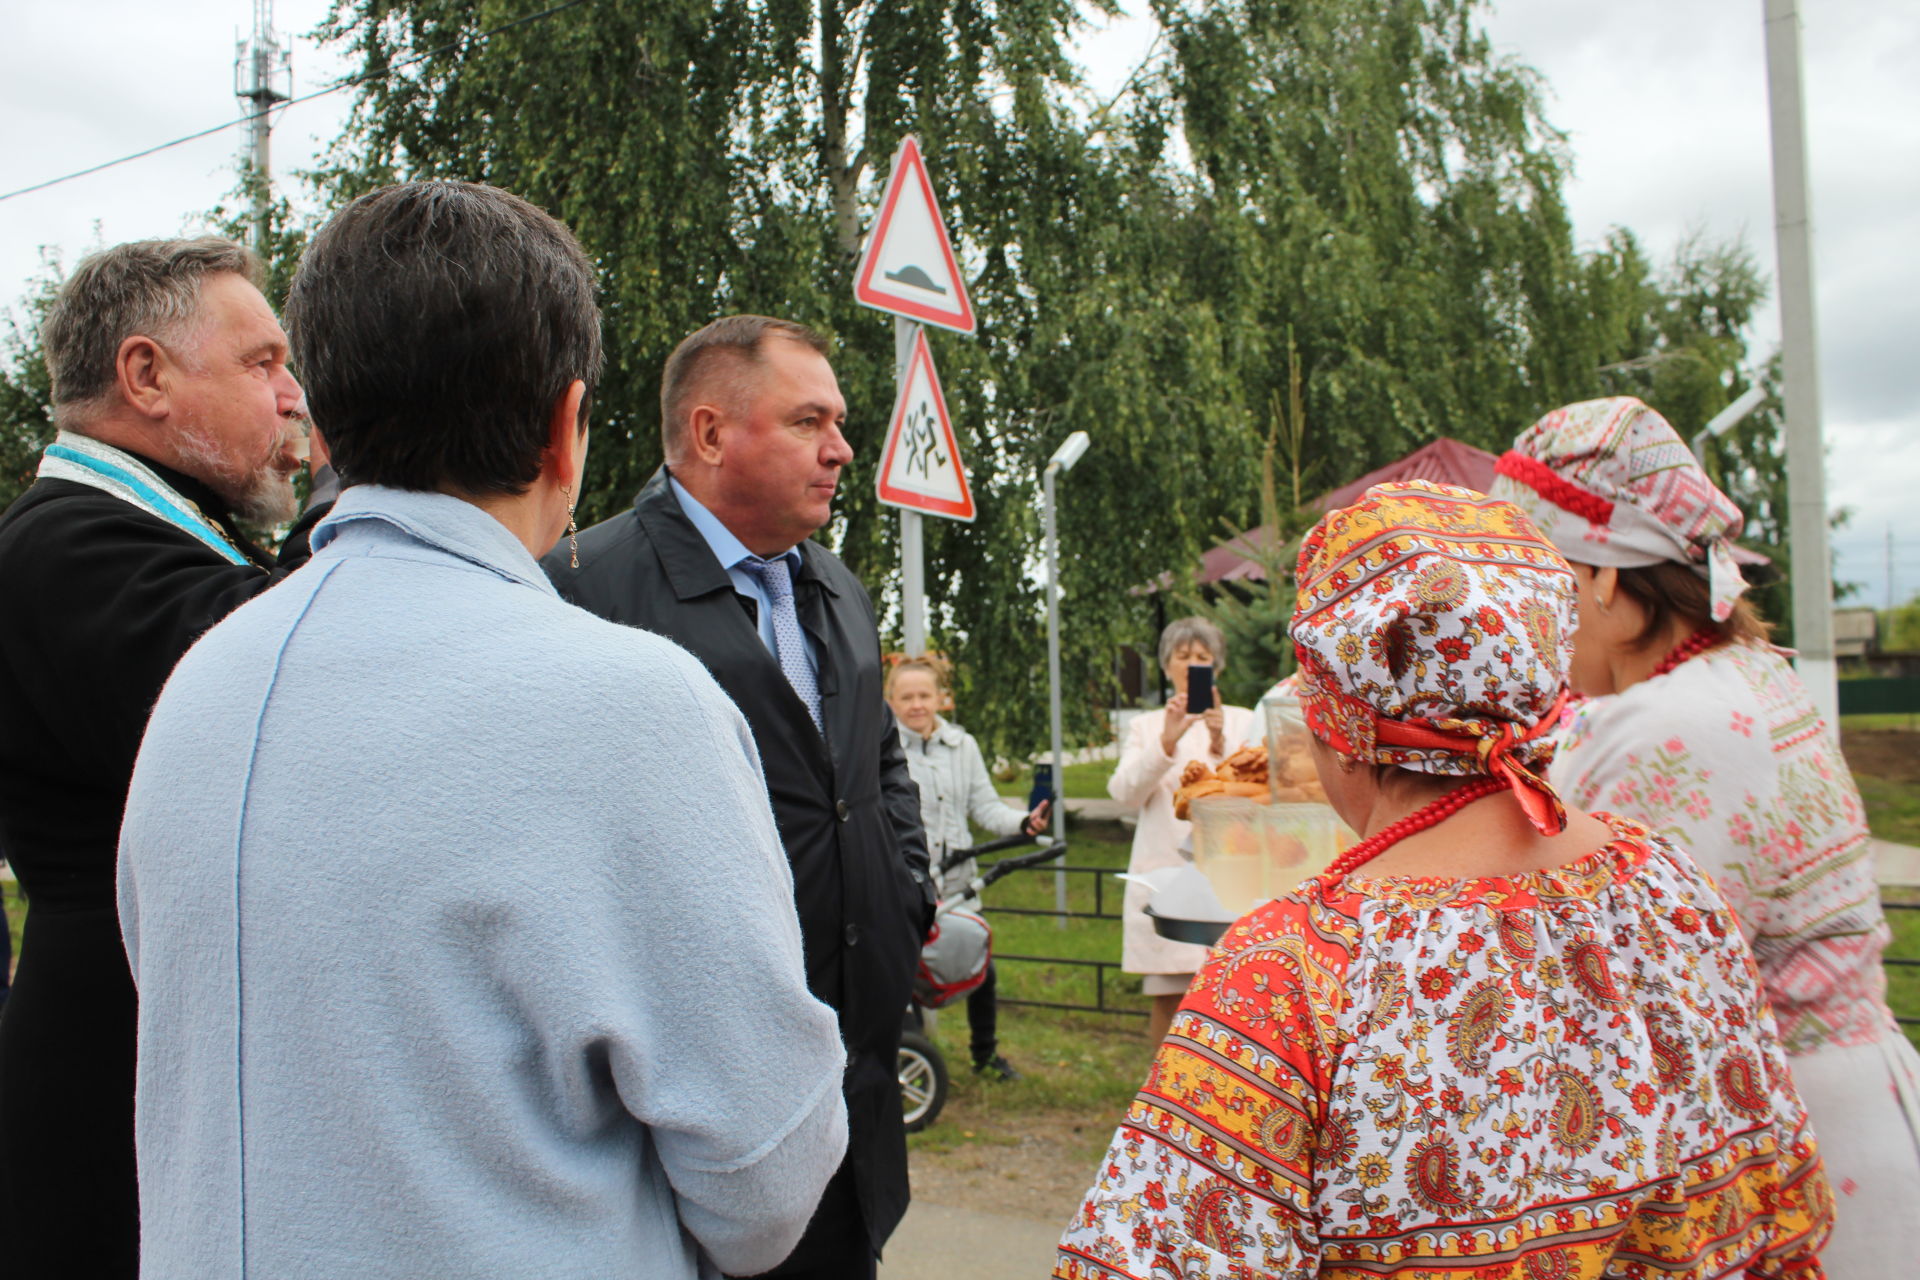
(954, 785)
(1158, 746)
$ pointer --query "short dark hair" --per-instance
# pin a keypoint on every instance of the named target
(146, 288)
(434, 325)
(730, 339)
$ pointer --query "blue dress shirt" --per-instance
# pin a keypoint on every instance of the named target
(730, 551)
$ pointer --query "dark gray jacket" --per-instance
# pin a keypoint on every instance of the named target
(847, 809)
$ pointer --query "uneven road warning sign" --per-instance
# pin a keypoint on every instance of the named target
(908, 267)
(920, 466)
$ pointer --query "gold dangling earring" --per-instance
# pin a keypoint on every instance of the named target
(1349, 763)
(573, 528)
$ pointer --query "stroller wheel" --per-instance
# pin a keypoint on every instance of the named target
(923, 1080)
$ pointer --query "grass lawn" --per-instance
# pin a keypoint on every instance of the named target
(1893, 806)
(1891, 720)
(1084, 781)
(1903, 982)
(1077, 1069)
(1886, 763)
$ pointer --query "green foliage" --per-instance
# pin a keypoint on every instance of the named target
(26, 423)
(1253, 615)
(726, 157)
(286, 234)
(1347, 213)
(1900, 628)
(1363, 171)
(1378, 184)
(1678, 339)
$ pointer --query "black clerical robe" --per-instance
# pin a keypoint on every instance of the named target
(98, 600)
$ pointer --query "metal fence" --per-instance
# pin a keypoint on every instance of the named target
(1099, 967)
(1880, 695)
(1099, 911)
(1099, 1004)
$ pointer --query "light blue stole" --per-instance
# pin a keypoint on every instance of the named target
(101, 466)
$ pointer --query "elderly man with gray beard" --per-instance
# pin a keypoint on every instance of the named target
(178, 418)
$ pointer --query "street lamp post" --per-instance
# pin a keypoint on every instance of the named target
(1070, 451)
(1726, 420)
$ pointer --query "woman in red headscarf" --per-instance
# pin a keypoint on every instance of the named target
(1497, 1037)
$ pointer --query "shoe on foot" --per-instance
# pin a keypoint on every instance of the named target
(996, 1067)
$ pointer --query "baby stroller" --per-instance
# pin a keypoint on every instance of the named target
(953, 963)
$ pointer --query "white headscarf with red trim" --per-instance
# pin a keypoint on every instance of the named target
(1609, 482)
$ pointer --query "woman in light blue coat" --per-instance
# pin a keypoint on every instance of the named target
(951, 773)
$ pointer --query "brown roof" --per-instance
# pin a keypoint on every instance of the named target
(1445, 461)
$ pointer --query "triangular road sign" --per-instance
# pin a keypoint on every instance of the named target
(908, 266)
(920, 465)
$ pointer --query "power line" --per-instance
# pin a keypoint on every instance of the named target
(336, 87)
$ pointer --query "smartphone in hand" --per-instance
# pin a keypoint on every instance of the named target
(1042, 786)
(1199, 688)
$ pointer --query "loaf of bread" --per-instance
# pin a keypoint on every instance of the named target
(1248, 764)
(1185, 796)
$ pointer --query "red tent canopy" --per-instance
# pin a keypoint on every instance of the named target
(1444, 461)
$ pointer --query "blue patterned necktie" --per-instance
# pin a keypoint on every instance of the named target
(789, 645)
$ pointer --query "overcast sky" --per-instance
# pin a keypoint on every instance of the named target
(1664, 101)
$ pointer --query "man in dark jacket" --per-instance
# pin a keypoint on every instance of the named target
(716, 555)
(177, 414)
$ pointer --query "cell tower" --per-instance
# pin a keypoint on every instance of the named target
(263, 78)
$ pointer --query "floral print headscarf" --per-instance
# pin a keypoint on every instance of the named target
(1610, 482)
(1434, 627)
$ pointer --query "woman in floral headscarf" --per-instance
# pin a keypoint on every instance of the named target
(1700, 729)
(1498, 1036)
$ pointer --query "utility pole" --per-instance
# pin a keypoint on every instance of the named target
(262, 77)
(1811, 569)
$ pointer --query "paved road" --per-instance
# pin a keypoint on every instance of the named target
(936, 1242)
(1896, 863)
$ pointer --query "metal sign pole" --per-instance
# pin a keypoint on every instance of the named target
(913, 579)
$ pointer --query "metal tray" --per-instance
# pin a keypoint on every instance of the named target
(1201, 932)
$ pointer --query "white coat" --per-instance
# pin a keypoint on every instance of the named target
(954, 786)
(1146, 778)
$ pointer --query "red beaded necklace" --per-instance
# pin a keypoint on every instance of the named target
(1693, 646)
(1430, 815)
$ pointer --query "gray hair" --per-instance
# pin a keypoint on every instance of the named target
(1190, 631)
(148, 288)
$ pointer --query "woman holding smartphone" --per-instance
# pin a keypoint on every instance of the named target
(1156, 748)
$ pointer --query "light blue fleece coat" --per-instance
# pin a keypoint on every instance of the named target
(465, 941)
